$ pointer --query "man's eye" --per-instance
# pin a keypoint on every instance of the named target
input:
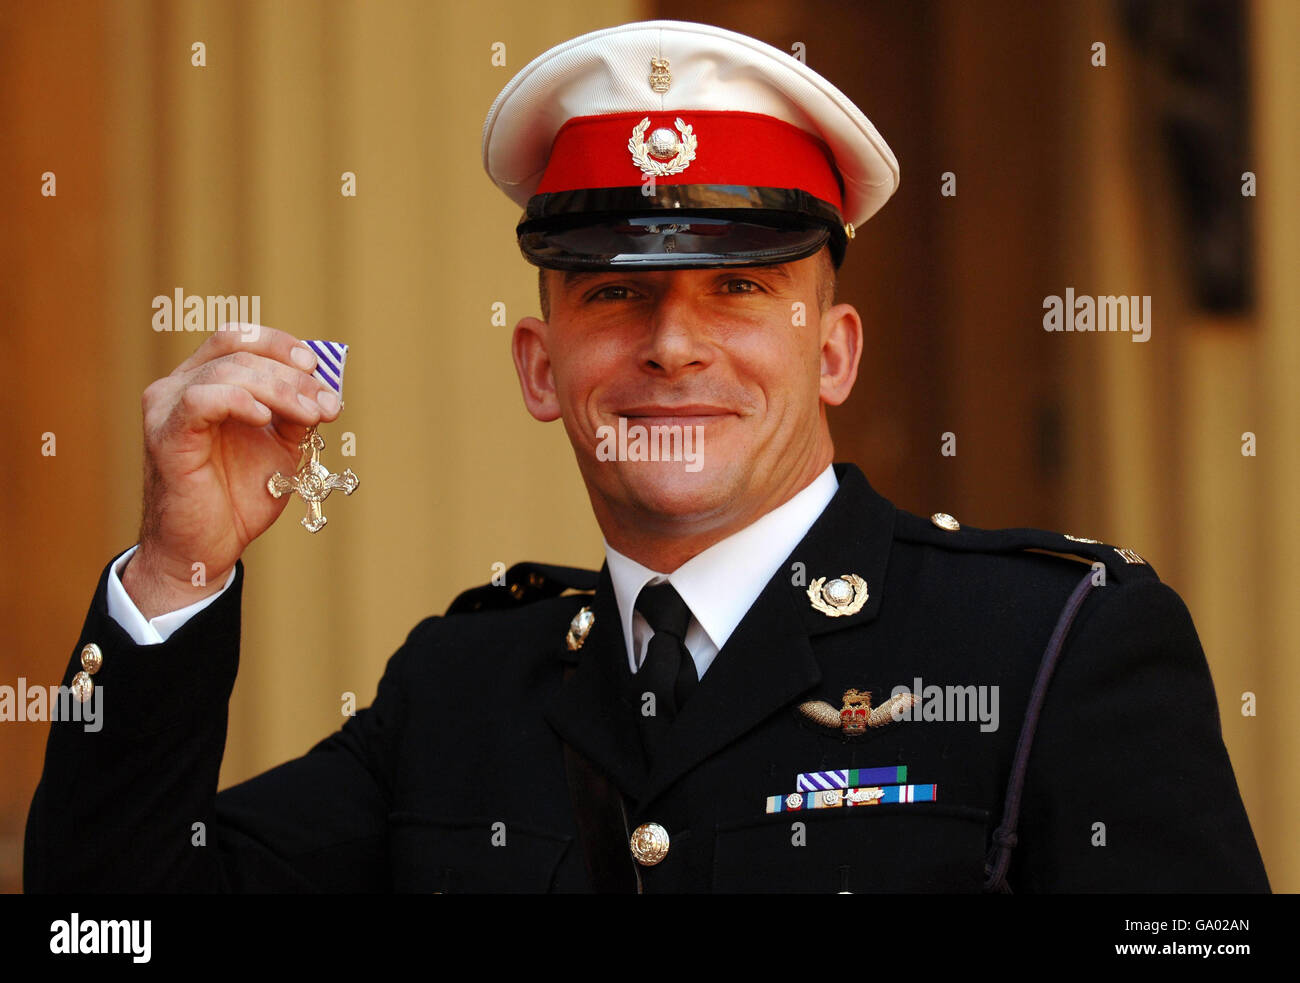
(614, 291)
(740, 286)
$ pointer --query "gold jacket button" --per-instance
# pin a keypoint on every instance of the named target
(82, 686)
(92, 658)
(944, 521)
(649, 844)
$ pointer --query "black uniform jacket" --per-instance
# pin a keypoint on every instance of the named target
(455, 778)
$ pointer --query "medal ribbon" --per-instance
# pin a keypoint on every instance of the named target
(330, 359)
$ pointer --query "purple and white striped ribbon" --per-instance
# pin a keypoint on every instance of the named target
(817, 781)
(814, 781)
(330, 358)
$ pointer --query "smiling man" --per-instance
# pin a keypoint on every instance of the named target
(717, 353)
(777, 681)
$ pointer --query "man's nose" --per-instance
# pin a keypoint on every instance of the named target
(678, 337)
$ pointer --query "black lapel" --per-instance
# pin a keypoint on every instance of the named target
(768, 661)
(766, 664)
(594, 711)
(853, 535)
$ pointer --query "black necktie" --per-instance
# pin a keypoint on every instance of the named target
(668, 670)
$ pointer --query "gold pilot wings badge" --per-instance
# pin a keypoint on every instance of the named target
(857, 713)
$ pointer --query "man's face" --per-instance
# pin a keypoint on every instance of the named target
(735, 363)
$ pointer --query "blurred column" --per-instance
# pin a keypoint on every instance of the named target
(1156, 459)
(1276, 84)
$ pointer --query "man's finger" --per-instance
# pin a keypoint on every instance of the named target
(255, 338)
(288, 391)
(288, 431)
(205, 406)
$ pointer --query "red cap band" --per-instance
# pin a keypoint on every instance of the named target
(732, 148)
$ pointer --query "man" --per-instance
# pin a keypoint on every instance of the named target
(777, 682)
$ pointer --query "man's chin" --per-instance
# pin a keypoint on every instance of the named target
(669, 491)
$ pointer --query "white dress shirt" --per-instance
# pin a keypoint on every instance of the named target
(721, 584)
(151, 631)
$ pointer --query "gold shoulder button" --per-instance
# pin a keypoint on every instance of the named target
(944, 521)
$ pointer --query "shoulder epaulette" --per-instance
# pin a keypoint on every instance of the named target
(944, 531)
(524, 583)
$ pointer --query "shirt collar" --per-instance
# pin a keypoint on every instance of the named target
(721, 584)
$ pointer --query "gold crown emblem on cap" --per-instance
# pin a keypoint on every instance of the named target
(660, 77)
(664, 153)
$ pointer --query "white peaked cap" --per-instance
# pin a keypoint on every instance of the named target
(711, 71)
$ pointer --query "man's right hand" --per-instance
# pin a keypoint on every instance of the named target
(215, 430)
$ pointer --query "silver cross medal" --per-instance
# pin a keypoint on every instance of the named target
(313, 481)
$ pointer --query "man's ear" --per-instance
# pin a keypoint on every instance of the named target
(841, 334)
(533, 365)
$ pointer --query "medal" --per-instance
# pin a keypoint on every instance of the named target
(312, 482)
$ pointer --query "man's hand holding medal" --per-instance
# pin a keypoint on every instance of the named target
(239, 411)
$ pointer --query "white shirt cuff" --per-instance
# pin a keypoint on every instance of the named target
(153, 631)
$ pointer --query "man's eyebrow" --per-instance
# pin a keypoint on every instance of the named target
(781, 272)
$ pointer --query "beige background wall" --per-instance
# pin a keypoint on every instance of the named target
(225, 179)
(1154, 454)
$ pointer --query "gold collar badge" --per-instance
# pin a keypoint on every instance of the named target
(838, 597)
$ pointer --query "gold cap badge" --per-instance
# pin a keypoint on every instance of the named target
(665, 152)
